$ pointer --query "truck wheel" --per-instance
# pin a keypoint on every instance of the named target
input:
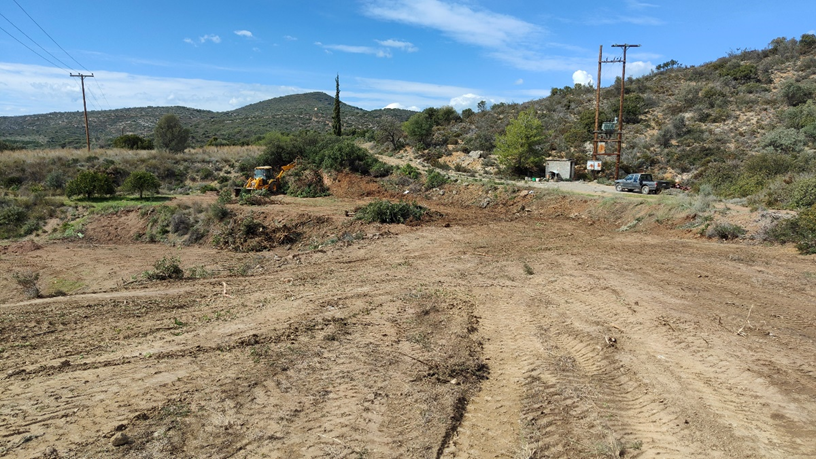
(645, 190)
(618, 187)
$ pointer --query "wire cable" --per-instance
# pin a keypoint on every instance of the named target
(29, 48)
(63, 50)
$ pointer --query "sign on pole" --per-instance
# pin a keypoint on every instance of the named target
(593, 165)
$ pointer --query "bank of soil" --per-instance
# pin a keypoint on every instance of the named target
(512, 324)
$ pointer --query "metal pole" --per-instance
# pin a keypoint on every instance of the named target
(85, 107)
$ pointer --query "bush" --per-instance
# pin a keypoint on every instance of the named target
(343, 156)
(435, 180)
(803, 193)
(409, 171)
(28, 281)
(800, 230)
(388, 212)
(90, 184)
(164, 269)
(381, 169)
(786, 140)
(132, 142)
(725, 231)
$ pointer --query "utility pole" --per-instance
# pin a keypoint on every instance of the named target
(625, 46)
(597, 140)
(85, 107)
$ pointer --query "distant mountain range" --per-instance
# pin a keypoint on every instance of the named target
(291, 113)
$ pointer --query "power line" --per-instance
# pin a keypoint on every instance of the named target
(65, 66)
(63, 50)
(49, 36)
(29, 48)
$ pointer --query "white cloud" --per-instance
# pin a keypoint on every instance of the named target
(244, 33)
(289, 38)
(581, 77)
(213, 38)
(399, 105)
(190, 41)
(638, 68)
(460, 22)
(519, 82)
(402, 45)
(379, 52)
(638, 5)
(468, 101)
(30, 89)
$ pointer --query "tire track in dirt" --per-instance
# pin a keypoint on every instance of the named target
(715, 384)
(491, 424)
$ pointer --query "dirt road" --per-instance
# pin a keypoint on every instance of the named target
(484, 333)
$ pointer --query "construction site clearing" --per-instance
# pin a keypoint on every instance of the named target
(512, 321)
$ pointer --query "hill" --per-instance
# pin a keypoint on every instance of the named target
(286, 114)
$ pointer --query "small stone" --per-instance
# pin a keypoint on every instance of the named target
(120, 439)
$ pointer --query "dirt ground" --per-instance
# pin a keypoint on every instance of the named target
(512, 324)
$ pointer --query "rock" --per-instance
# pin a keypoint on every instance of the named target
(477, 154)
(120, 439)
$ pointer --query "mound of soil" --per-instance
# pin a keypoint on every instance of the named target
(19, 248)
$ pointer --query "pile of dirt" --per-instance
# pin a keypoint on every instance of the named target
(19, 248)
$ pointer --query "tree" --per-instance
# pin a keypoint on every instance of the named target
(518, 148)
(170, 134)
(90, 184)
(389, 130)
(419, 128)
(141, 181)
(446, 115)
(337, 127)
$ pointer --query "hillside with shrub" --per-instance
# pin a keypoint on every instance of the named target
(743, 126)
(311, 111)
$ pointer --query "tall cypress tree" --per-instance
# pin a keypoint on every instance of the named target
(336, 126)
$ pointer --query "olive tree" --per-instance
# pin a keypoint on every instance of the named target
(90, 184)
(141, 181)
(170, 134)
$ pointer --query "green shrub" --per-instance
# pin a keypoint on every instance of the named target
(132, 142)
(343, 156)
(409, 171)
(381, 169)
(725, 231)
(164, 269)
(786, 140)
(388, 212)
(803, 193)
(435, 180)
(90, 184)
(800, 230)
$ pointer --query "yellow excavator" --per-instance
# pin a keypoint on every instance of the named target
(265, 179)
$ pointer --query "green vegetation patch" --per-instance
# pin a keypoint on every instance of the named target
(388, 212)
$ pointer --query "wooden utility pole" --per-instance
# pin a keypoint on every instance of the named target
(625, 46)
(85, 106)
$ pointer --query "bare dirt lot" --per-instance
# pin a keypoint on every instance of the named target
(511, 324)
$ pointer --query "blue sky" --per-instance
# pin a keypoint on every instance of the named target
(219, 55)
